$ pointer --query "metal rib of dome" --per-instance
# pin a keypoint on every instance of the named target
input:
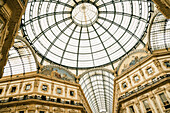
(160, 33)
(98, 89)
(87, 33)
(20, 59)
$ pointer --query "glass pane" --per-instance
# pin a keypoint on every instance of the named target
(163, 98)
(131, 109)
(59, 90)
(160, 33)
(44, 87)
(28, 87)
(86, 34)
(136, 78)
(97, 88)
(146, 104)
(150, 70)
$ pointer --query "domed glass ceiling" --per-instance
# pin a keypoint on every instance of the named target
(85, 33)
(97, 86)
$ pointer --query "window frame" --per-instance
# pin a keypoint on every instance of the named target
(123, 85)
(60, 89)
(162, 104)
(132, 107)
(165, 63)
(150, 106)
(42, 87)
(73, 93)
(12, 89)
(148, 73)
(26, 87)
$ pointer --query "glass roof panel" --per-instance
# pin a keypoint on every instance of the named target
(85, 33)
(97, 88)
(20, 60)
(160, 33)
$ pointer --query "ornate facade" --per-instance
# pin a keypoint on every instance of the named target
(10, 18)
(38, 93)
(89, 56)
(143, 86)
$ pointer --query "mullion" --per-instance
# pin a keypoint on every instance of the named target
(90, 46)
(78, 49)
(122, 13)
(103, 46)
(45, 15)
(112, 37)
(57, 38)
(67, 44)
(57, 2)
(132, 34)
(47, 29)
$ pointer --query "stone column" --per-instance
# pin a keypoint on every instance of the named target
(138, 107)
(122, 110)
(155, 103)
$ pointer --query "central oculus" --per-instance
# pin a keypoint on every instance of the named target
(85, 14)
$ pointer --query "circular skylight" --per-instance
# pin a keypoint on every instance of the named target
(85, 34)
(84, 14)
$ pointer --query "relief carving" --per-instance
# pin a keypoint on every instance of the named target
(21, 107)
(129, 103)
(141, 72)
(5, 110)
(157, 64)
(42, 107)
(59, 110)
(143, 97)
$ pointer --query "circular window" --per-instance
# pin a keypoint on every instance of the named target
(85, 14)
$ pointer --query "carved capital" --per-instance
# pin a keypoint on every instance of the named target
(129, 103)
(157, 64)
(159, 90)
(143, 97)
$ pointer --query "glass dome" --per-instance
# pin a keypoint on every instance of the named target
(20, 59)
(160, 33)
(85, 34)
(97, 86)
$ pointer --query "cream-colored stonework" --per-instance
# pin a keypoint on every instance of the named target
(35, 99)
(11, 12)
(164, 7)
(146, 89)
